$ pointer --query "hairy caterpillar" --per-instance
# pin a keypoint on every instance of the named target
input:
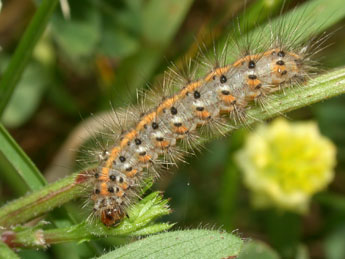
(218, 99)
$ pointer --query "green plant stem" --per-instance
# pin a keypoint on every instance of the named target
(44, 200)
(56, 194)
(137, 223)
(24, 50)
(319, 89)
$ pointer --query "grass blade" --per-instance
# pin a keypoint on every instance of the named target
(17, 168)
(23, 52)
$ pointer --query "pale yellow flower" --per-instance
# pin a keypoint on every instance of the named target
(285, 163)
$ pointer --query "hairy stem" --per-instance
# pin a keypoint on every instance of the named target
(138, 222)
(43, 200)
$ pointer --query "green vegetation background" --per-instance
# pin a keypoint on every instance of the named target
(109, 49)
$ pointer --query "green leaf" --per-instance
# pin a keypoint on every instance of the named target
(335, 243)
(182, 244)
(79, 36)
(117, 43)
(332, 200)
(302, 252)
(284, 232)
(31, 253)
(16, 166)
(26, 97)
(160, 21)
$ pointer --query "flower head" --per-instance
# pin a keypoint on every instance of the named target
(285, 163)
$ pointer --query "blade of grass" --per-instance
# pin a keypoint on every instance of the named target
(24, 50)
(16, 166)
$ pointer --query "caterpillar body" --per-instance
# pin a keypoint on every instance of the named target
(223, 93)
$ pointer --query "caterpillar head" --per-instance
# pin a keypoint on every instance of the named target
(111, 217)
